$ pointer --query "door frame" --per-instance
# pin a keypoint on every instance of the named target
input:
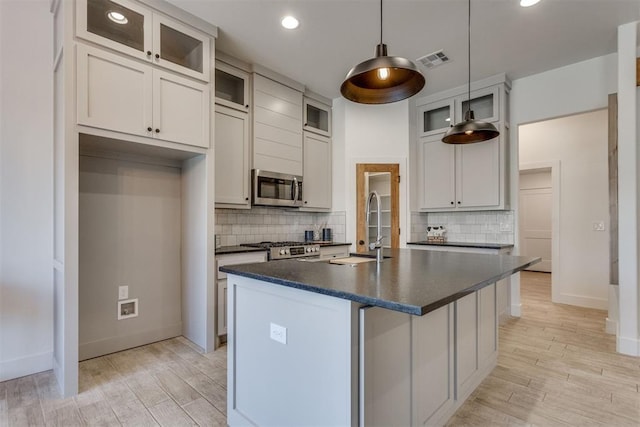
(361, 228)
(554, 166)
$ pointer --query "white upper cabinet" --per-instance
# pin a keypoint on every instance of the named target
(317, 117)
(135, 30)
(277, 127)
(462, 177)
(123, 95)
(232, 158)
(232, 87)
(316, 183)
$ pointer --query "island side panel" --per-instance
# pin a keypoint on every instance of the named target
(307, 378)
(385, 367)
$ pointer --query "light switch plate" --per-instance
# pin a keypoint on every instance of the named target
(123, 292)
(278, 333)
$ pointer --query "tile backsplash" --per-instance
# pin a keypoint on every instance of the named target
(237, 226)
(477, 227)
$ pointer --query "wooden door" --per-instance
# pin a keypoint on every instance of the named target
(362, 172)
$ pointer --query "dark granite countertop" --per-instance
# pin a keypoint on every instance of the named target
(411, 281)
(226, 250)
(465, 245)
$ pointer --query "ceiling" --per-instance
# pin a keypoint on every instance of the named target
(335, 35)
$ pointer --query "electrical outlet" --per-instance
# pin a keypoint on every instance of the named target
(123, 292)
(505, 226)
(598, 226)
(278, 333)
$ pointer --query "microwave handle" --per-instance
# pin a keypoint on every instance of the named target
(296, 190)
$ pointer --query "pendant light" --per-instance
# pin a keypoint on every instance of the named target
(382, 79)
(470, 130)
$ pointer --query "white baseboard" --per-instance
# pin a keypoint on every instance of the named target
(628, 346)
(516, 310)
(582, 301)
(611, 326)
(113, 344)
(16, 368)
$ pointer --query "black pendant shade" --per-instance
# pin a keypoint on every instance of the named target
(368, 83)
(470, 130)
(382, 79)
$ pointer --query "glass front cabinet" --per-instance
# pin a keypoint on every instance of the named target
(317, 117)
(465, 177)
(132, 29)
(232, 87)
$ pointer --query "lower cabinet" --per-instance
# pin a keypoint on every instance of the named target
(417, 370)
(230, 259)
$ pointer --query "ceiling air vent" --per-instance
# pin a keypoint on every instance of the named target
(433, 59)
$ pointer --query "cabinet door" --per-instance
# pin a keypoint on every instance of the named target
(232, 156)
(222, 307)
(121, 25)
(435, 118)
(317, 117)
(180, 109)
(484, 103)
(232, 87)
(432, 365)
(436, 183)
(113, 92)
(466, 344)
(180, 48)
(478, 174)
(316, 183)
(487, 326)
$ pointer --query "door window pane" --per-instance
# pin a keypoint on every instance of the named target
(180, 48)
(115, 22)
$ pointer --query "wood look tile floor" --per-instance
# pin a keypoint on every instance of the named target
(556, 367)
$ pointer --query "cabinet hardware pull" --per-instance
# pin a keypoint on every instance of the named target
(157, 56)
(158, 131)
(246, 198)
(452, 203)
(246, 106)
(458, 201)
(149, 129)
(305, 202)
(148, 53)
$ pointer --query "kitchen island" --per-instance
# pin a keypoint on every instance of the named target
(400, 343)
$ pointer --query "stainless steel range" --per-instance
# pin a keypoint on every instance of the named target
(286, 250)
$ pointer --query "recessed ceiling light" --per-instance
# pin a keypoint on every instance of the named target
(117, 17)
(527, 3)
(290, 23)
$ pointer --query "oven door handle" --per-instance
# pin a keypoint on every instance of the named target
(296, 190)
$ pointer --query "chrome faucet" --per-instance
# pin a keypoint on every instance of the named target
(377, 245)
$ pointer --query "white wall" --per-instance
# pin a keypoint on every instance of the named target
(26, 98)
(579, 144)
(369, 134)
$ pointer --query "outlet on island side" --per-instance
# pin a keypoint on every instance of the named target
(278, 333)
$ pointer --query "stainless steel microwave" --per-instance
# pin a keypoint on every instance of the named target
(275, 189)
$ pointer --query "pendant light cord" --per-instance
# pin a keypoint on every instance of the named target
(469, 56)
(380, 21)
